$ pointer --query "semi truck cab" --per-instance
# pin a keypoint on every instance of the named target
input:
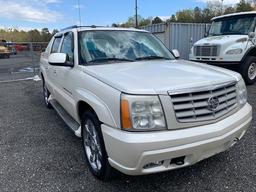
(230, 43)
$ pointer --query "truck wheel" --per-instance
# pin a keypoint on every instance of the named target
(94, 148)
(46, 96)
(248, 70)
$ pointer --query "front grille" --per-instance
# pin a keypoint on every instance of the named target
(206, 51)
(194, 106)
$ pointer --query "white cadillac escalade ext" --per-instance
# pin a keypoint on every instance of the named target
(137, 108)
(231, 43)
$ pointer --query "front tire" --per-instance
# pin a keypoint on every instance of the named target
(94, 148)
(248, 70)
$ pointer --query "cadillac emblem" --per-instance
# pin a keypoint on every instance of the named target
(213, 103)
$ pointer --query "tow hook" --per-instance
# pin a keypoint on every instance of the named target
(178, 161)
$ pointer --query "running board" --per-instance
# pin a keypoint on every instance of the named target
(71, 123)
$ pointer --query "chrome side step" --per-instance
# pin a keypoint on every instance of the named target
(71, 123)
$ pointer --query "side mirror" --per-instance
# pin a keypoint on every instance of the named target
(206, 34)
(251, 35)
(59, 59)
(176, 53)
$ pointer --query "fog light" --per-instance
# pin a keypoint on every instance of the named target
(153, 164)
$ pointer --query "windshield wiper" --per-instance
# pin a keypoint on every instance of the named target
(232, 33)
(110, 59)
(215, 34)
(151, 57)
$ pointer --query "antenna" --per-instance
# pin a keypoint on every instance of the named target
(136, 13)
(222, 7)
(79, 12)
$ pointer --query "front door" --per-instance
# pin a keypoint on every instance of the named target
(64, 75)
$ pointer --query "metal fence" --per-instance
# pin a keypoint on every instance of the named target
(20, 60)
(179, 36)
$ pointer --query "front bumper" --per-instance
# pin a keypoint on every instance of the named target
(129, 152)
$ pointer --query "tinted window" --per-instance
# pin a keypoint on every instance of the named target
(48, 48)
(56, 44)
(241, 24)
(67, 46)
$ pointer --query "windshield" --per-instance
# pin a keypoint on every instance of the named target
(115, 46)
(242, 24)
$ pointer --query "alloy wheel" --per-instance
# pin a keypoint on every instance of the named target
(252, 71)
(46, 95)
(92, 146)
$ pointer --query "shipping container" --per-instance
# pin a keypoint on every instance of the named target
(179, 36)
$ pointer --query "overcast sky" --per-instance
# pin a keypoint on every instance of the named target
(28, 14)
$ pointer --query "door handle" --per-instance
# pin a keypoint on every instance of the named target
(54, 71)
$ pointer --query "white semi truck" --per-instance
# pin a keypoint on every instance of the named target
(230, 43)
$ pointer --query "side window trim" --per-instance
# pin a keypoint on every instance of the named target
(73, 44)
(65, 34)
(61, 39)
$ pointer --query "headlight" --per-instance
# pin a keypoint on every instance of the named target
(234, 51)
(242, 93)
(141, 113)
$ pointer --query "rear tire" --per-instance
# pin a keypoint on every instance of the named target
(248, 70)
(94, 148)
(46, 95)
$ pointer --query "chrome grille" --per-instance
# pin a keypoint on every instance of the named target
(206, 51)
(194, 106)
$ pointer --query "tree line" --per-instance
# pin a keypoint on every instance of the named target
(196, 15)
(14, 35)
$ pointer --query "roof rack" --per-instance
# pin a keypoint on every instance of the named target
(76, 26)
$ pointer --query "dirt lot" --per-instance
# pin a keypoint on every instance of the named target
(39, 153)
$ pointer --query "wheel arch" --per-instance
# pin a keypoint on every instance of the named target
(83, 106)
(94, 104)
(250, 52)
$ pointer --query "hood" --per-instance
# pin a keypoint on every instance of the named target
(159, 76)
(222, 39)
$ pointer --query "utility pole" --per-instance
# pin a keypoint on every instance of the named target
(136, 14)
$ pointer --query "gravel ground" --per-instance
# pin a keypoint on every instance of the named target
(39, 153)
(18, 66)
